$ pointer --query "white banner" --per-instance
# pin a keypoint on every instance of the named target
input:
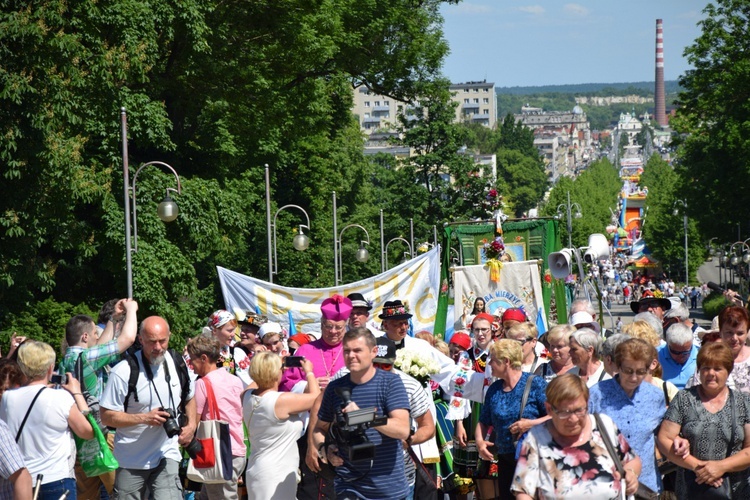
(415, 282)
(519, 286)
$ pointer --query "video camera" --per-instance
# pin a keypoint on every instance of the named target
(349, 429)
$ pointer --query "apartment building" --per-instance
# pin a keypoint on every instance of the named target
(476, 102)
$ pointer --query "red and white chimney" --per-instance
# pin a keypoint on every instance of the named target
(659, 99)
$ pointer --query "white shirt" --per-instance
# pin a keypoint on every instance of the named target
(143, 446)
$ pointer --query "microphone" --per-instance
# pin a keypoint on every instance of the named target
(716, 288)
(345, 394)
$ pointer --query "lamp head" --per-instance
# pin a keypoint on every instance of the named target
(746, 258)
(734, 260)
(301, 241)
(578, 215)
(167, 209)
(362, 254)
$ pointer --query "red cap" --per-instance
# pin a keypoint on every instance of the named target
(514, 315)
(300, 338)
(461, 339)
(484, 316)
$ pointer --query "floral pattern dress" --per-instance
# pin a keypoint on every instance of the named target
(548, 470)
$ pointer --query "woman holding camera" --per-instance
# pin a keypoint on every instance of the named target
(45, 439)
(226, 389)
(274, 425)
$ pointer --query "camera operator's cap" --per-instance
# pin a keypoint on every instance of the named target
(386, 351)
(394, 309)
(461, 339)
(336, 308)
(269, 328)
(514, 315)
(358, 300)
(249, 317)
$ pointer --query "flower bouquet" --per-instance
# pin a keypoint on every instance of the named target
(418, 365)
(493, 250)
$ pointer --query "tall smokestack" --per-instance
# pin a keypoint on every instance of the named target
(659, 100)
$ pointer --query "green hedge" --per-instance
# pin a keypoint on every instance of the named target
(713, 304)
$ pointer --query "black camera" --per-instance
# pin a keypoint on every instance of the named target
(59, 378)
(171, 425)
(193, 448)
(349, 429)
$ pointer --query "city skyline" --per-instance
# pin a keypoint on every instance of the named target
(558, 43)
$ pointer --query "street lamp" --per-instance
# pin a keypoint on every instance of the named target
(568, 207)
(300, 241)
(385, 250)
(711, 249)
(676, 211)
(738, 259)
(362, 254)
(167, 209)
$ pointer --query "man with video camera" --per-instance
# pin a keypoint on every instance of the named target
(362, 414)
(154, 413)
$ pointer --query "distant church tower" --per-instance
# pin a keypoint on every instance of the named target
(659, 100)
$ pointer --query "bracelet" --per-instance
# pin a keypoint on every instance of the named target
(76, 394)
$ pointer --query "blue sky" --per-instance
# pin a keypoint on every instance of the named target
(548, 42)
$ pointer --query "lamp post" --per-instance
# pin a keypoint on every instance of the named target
(568, 207)
(711, 249)
(385, 250)
(362, 254)
(300, 241)
(676, 211)
(739, 259)
(167, 209)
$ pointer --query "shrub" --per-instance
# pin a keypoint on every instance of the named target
(713, 304)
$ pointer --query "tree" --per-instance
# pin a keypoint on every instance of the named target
(215, 89)
(714, 110)
(595, 191)
(662, 229)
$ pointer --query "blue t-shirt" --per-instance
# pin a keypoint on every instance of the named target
(674, 372)
(637, 418)
(386, 478)
(501, 409)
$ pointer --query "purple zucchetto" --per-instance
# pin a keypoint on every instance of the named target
(336, 308)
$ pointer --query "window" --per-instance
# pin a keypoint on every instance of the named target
(377, 103)
(486, 90)
(386, 103)
(485, 100)
(367, 104)
(367, 115)
(466, 101)
(485, 111)
(466, 91)
(476, 101)
(476, 91)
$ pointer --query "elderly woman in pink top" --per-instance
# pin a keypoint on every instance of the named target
(326, 353)
(227, 390)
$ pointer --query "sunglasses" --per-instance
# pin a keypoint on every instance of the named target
(383, 366)
(679, 353)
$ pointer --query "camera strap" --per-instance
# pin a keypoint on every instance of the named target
(167, 377)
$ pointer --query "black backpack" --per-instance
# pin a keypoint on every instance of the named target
(182, 374)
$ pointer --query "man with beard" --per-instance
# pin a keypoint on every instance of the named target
(149, 459)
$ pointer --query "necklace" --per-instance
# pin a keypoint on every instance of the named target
(333, 363)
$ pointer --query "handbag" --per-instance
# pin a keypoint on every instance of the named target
(94, 454)
(213, 464)
(706, 491)
(425, 485)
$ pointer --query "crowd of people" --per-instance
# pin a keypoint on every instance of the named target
(657, 408)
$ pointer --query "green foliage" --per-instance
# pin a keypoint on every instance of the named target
(44, 322)
(216, 90)
(713, 304)
(663, 230)
(715, 112)
(593, 89)
(595, 191)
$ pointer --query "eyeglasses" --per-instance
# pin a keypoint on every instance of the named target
(629, 372)
(522, 341)
(383, 366)
(481, 330)
(566, 414)
(334, 328)
(679, 353)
